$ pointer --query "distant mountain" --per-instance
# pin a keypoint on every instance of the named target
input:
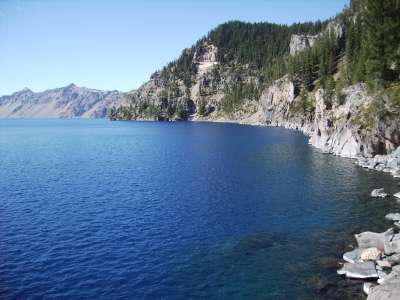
(66, 102)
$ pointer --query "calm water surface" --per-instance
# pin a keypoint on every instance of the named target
(91, 209)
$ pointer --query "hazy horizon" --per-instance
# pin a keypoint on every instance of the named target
(117, 45)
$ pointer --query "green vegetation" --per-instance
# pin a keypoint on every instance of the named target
(362, 45)
(236, 94)
(305, 105)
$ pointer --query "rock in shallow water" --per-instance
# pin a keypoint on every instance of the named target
(359, 270)
(379, 193)
(353, 256)
(393, 216)
(372, 239)
(368, 286)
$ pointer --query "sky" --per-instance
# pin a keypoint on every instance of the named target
(118, 44)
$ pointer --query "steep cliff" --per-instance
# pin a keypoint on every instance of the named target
(67, 102)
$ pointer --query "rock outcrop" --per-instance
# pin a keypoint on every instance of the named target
(300, 42)
(341, 129)
(67, 102)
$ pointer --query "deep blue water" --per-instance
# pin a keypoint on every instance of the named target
(92, 209)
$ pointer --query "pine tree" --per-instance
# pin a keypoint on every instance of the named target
(392, 36)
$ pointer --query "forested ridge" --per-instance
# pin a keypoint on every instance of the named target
(251, 56)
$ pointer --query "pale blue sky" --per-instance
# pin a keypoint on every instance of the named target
(118, 44)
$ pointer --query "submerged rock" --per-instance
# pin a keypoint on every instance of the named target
(359, 270)
(379, 193)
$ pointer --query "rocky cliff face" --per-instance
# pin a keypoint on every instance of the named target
(161, 98)
(299, 43)
(342, 129)
(67, 102)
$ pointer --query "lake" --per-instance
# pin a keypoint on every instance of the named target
(92, 209)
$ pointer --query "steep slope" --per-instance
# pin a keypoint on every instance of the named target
(222, 75)
(67, 102)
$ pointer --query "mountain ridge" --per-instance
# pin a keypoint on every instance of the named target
(70, 101)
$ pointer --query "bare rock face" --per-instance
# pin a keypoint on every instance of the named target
(335, 131)
(67, 102)
(205, 57)
(300, 42)
(389, 289)
(275, 101)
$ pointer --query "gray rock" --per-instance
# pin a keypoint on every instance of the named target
(360, 270)
(393, 246)
(389, 288)
(372, 239)
(368, 286)
(394, 259)
(379, 193)
(384, 263)
(300, 42)
(353, 256)
(393, 216)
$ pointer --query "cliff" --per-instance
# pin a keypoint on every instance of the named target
(67, 102)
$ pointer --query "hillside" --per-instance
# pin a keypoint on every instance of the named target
(337, 81)
(66, 102)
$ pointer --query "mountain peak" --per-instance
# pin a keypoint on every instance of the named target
(25, 90)
(71, 85)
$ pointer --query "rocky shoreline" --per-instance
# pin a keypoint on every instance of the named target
(377, 257)
(376, 260)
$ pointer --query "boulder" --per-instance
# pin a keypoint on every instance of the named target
(367, 287)
(360, 270)
(393, 216)
(394, 259)
(371, 239)
(379, 193)
(353, 256)
(393, 245)
(384, 263)
(370, 254)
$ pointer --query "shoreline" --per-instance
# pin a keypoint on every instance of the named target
(377, 256)
(389, 163)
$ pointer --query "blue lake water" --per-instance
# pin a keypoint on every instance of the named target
(92, 209)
